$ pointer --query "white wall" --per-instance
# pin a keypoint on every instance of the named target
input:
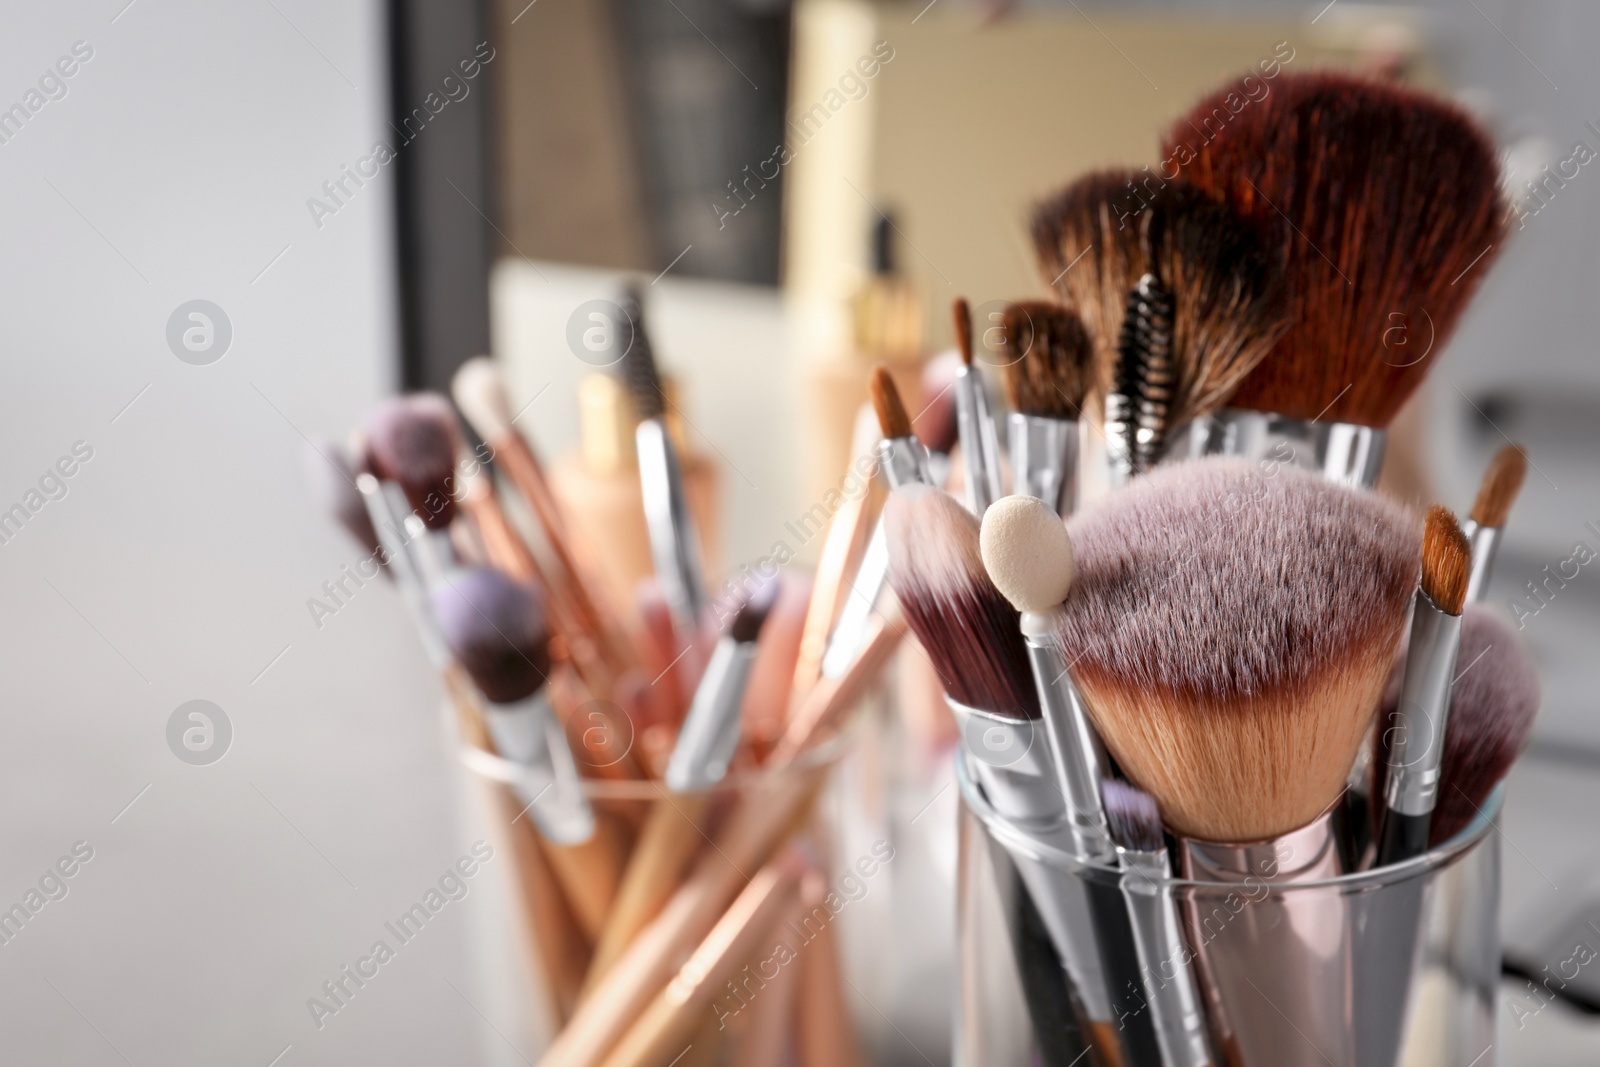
(179, 563)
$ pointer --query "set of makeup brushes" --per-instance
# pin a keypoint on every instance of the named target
(654, 830)
(1241, 665)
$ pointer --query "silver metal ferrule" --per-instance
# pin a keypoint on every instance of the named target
(1415, 733)
(1484, 540)
(904, 461)
(1169, 984)
(674, 548)
(1044, 459)
(528, 734)
(710, 731)
(1274, 966)
(980, 445)
(1342, 452)
(397, 550)
(1078, 756)
(1010, 759)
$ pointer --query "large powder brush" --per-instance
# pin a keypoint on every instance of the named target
(1385, 209)
(1231, 632)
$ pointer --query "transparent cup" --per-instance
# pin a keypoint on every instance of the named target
(1373, 969)
(566, 898)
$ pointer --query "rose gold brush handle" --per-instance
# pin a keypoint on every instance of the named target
(666, 1028)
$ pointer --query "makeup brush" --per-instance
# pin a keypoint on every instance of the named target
(479, 391)
(980, 448)
(1414, 732)
(332, 478)
(674, 543)
(971, 635)
(495, 628)
(774, 808)
(1135, 823)
(1048, 374)
(710, 732)
(1096, 238)
(1496, 493)
(1028, 556)
(1231, 633)
(904, 461)
(1380, 255)
(1492, 705)
(412, 442)
(1300, 589)
(849, 532)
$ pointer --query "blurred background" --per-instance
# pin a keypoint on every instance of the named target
(356, 198)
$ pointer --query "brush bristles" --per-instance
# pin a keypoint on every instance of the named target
(892, 417)
(1049, 368)
(638, 365)
(1229, 303)
(1491, 715)
(1500, 486)
(1386, 211)
(495, 628)
(1133, 815)
(970, 633)
(413, 440)
(1446, 560)
(752, 614)
(962, 315)
(1492, 706)
(1231, 633)
(333, 479)
(480, 393)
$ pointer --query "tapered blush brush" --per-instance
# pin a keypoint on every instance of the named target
(1048, 374)
(1496, 494)
(980, 447)
(1380, 255)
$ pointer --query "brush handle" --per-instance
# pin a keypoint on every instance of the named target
(1401, 837)
(710, 731)
(1044, 460)
(1180, 1025)
(1416, 732)
(1484, 541)
(674, 546)
(980, 446)
(904, 462)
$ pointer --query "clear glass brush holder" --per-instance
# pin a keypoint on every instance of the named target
(787, 998)
(1395, 966)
